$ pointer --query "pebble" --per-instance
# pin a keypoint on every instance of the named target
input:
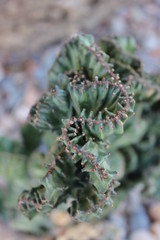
(83, 231)
(60, 218)
(136, 211)
(21, 113)
(139, 219)
(151, 42)
(109, 231)
(142, 235)
(154, 211)
(120, 222)
(118, 25)
(12, 91)
(155, 229)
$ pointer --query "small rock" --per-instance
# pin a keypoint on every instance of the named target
(118, 25)
(118, 220)
(142, 235)
(154, 211)
(136, 211)
(151, 42)
(109, 231)
(83, 231)
(21, 113)
(155, 228)
(60, 218)
(139, 219)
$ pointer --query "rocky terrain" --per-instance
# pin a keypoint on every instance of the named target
(31, 35)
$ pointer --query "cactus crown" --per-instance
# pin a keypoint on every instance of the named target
(90, 97)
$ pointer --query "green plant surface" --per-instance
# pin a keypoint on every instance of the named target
(89, 107)
(86, 104)
(138, 146)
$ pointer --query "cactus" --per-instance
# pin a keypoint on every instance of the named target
(21, 166)
(130, 69)
(17, 157)
(89, 104)
(139, 145)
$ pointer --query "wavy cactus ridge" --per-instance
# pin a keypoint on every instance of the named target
(117, 105)
(79, 55)
(54, 190)
(101, 95)
(87, 104)
(47, 113)
(120, 56)
(130, 69)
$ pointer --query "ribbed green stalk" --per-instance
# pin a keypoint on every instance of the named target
(88, 104)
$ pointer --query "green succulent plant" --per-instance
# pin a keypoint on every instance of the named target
(89, 104)
(21, 167)
(139, 146)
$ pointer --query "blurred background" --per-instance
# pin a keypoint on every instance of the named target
(31, 33)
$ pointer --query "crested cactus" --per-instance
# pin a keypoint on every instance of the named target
(130, 69)
(139, 145)
(89, 104)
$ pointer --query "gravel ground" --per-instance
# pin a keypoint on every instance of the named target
(22, 83)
